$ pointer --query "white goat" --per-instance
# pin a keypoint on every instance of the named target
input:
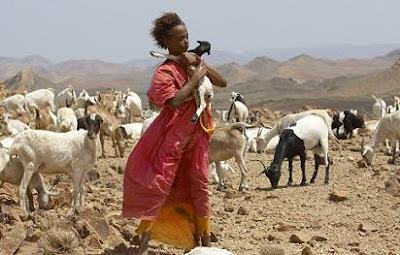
(388, 128)
(11, 127)
(133, 105)
(11, 171)
(223, 165)
(84, 99)
(40, 99)
(238, 112)
(290, 119)
(14, 105)
(66, 120)
(66, 98)
(309, 133)
(379, 107)
(131, 130)
(48, 152)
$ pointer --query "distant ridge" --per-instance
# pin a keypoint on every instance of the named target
(28, 80)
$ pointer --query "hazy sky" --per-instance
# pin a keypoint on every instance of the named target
(118, 30)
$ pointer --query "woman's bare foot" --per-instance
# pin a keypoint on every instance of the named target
(206, 241)
(144, 244)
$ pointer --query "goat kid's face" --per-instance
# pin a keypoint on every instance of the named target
(93, 122)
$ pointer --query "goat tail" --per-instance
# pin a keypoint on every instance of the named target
(335, 140)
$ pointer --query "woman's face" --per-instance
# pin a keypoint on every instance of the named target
(178, 41)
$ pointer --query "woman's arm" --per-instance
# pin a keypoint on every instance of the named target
(215, 76)
(186, 92)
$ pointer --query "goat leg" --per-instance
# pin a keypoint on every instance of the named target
(200, 102)
(316, 162)
(303, 168)
(290, 181)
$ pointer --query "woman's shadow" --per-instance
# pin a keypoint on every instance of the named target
(132, 250)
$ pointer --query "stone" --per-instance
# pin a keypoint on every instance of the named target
(92, 242)
(366, 227)
(229, 206)
(93, 175)
(307, 251)
(299, 237)
(243, 211)
(115, 238)
(128, 231)
(319, 238)
(209, 251)
(96, 222)
(13, 239)
(338, 196)
(29, 248)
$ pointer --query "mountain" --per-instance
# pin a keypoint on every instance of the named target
(28, 80)
(263, 65)
(235, 73)
(10, 66)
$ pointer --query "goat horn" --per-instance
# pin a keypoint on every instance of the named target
(265, 168)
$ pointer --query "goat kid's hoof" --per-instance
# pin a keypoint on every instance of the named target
(312, 181)
(289, 184)
(304, 184)
(221, 188)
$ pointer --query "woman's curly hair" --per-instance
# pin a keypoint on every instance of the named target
(162, 27)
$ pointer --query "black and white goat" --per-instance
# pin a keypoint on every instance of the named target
(204, 93)
(349, 121)
(308, 133)
(238, 112)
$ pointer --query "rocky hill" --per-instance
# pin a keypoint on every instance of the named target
(28, 80)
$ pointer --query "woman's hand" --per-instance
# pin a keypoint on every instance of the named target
(188, 58)
(199, 73)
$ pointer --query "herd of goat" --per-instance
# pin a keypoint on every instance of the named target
(50, 134)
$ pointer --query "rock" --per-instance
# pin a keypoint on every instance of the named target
(272, 236)
(29, 248)
(272, 250)
(115, 238)
(93, 175)
(209, 251)
(243, 211)
(319, 238)
(96, 222)
(365, 227)
(299, 237)
(307, 251)
(33, 235)
(13, 239)
(338, 196)
(128, 231)
(393, 184)
(92, 242)
(64, 198)
(285, 227)
(229, 206)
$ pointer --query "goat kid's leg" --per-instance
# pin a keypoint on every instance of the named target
(26, 178)
(303, 168)
(290, 181)
(316, 162)
(103, 155)
(200, 102)
(221, 176)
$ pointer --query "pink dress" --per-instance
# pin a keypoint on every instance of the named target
(169, 164)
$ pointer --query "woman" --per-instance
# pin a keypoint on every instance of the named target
(166, 176)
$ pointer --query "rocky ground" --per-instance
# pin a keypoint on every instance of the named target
(354, 214)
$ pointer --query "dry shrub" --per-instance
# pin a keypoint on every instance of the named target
(60, 240)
